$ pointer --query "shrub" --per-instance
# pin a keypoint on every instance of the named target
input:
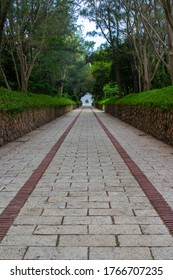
(13, 102)
(161, 98)
(110, 90)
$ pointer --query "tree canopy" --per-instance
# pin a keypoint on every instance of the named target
(42, 49)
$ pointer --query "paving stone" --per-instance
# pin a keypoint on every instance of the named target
(154, 229)
(114, 188)
(111, 212)
(141, 206)
(162, 253)
(119, 198)
(94, 187)
(145, 240)
(5, 194)
(55, 205)
(29, 240)
(138, 199)
(77, 194)
(35, 199)
(88, 205)
(67, 199)
(62, 186)
(134, 192)
(12, 252)
(146, 213)
(49, 230)
(30, 211)
(37, 220)
(114, 229)
(82, 220)
(132, 205)
(123, 253)
(96, 180)
(5, 201)
(63, 179)
(57, 253)
(80, 178)
(87, 240)
(64, 212)
(138, 220)
(21, 230)
(56, 193)
(75, 188)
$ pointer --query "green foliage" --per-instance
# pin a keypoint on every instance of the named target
(100, 68)
(105, 101)
(110, 89)
(60, 68)
(104, 71)
(162, 78)
(13, 101)
(47, 56)
(161, 98)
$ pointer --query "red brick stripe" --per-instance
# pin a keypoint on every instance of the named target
(9, 214)
(156, 199)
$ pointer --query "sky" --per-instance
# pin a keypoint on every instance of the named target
(88, 26)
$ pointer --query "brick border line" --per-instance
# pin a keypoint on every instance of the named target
(158, 202)
(11, 211)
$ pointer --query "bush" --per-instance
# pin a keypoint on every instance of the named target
(13, 102)
(110, 90)
(161, 98)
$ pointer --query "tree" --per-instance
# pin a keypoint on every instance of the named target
(168, 9)
(140, 15)
(28, 28)
(4, 8)
(61, 67)
(110, 90)
(143, 26)
(108, 17)
(101, 70)
(147, 17)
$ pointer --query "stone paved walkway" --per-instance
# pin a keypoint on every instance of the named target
(87, 205)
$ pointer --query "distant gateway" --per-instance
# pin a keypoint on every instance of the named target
(87, 100)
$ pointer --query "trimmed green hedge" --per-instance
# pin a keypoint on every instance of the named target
(161, 98)
(13, 101)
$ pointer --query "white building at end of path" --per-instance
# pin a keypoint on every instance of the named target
(87, 100)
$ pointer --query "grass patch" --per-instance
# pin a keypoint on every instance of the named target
(161, 98)
(14, 102)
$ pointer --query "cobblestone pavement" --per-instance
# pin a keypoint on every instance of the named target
(87, 204)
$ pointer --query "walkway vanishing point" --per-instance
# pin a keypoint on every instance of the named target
(86, 186)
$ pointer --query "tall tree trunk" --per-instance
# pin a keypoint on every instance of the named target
(25, 67)
(119, 80)
(146, 78)
(16, 71)
(25, 76)
(5, 78)
(61, 89)
(134, 73)
(117, 72)
(24, 83)
(140, 81)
